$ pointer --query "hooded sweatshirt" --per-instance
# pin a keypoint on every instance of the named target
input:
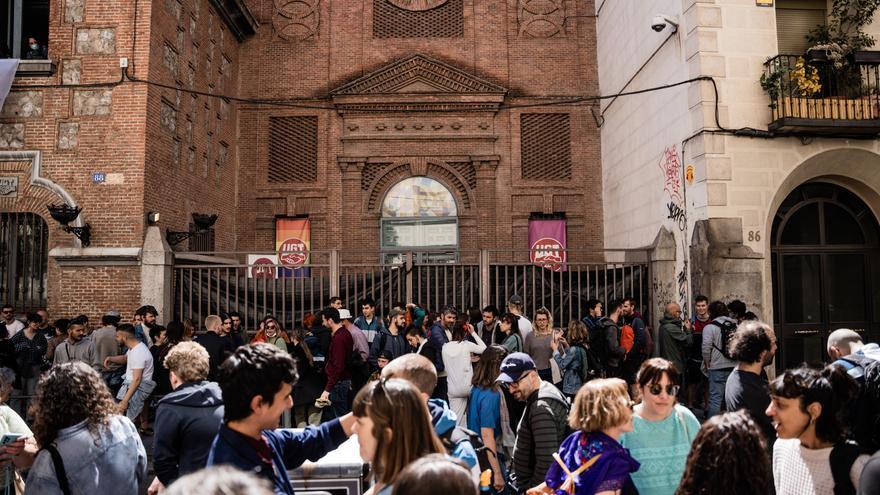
(444, 420)
(674, 341)
(187, 420)
(543, 427)
(386, 341)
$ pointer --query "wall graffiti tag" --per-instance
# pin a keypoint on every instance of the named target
(677, 215)
(670, 165)
(682, 281)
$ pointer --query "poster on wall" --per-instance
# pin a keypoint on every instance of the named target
(262, 266)
(293, 241)
(547, 243)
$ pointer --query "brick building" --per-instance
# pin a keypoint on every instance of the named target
(332, 105)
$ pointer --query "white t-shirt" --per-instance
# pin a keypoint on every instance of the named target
(139, 358)
(525, 326)
(798, 470)
(14, 327)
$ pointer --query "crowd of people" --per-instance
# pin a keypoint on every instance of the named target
(451, 402)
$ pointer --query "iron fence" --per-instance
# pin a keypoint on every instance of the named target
(24, 257)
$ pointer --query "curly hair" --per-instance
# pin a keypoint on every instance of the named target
(68, 394)
(750, 340)
(189, 361)
(728, 457)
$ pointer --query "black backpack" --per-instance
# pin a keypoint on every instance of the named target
(728, 328)
(590, 367)
(457, 435)
(863, 415)
(843, 456)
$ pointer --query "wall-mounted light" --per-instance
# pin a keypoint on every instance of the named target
(203, 223)
(152, 218)
(64, 214)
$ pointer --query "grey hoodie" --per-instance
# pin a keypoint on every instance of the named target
(712, 344)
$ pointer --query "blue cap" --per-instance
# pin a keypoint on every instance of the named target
(515, 366)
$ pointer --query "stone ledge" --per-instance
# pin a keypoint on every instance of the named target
(36, 68)
(237, 17)
(96, 256)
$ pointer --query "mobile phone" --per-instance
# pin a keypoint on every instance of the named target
(8, 438)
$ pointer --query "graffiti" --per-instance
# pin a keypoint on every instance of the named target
(670, 165)
(677, 215)
(682, 280)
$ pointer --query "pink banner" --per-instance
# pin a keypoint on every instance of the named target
(547, 243)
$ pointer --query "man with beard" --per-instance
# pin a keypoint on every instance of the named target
(148, 320)
(753, 345)
(77, 347)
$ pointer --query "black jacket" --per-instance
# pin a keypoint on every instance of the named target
(218, 348)
(187, 420)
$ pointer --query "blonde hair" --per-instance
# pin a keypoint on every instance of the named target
(600, 404)
(546, 312)
(189, 361)
(213, 322)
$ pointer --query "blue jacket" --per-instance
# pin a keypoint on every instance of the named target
(290, 448)
(437, 337)
(570, 362)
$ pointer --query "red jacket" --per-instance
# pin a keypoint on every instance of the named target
(338, 365)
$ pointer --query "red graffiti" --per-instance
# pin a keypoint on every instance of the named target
(670, 165)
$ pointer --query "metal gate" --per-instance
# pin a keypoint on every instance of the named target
(24, 257)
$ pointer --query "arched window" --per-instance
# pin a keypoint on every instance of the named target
(420, 214)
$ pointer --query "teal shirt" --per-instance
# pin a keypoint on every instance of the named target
(662, 448)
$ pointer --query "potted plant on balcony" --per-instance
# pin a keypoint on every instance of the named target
(792, 86)
(843, 39)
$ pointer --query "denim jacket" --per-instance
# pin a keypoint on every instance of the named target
(570, 363)
(113, 463)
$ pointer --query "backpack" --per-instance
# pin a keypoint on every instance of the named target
(589, 364)
(728, 328)
(843, 456)
(627, 337)
(864, 413)
(458, 435)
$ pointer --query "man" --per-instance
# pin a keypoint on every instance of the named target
(36, 51)
(237, 328)
(675, 337)
(338, 368)
(148, 316)
(515, 306)
(218, 347)
(368, 321)
(613, 351)
(360, 365)
(544, 424)
(695, 381)
(107, 346)
(45, 327)
(336, 302)
(753, 346)
(138, 381)
(233, 339)
(489, 328)
(13, 325)
(391, 339)
(188, 418)
(862, 362)
(719, 365)
(256, 382)
(438, 336)
(77, 347)
(419, 371)
(639, 352)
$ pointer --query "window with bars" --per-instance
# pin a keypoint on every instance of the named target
(293, 149)
(445, 21)
(24, 258)
(201, 241)
(545, 146)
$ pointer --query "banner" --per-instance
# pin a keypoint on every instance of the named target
(7, 74)
(547, 244)
(262, 266)
(293, 241)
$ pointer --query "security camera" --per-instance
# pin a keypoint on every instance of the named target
(659, 22)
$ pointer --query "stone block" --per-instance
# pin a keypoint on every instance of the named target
(74, 10)
(716, 194)
(68, 133)
(71, 71)
(174, 8)
(12, 135)
(718, 168)
(96, 41)
(23, 104)
(170, 60)
(168, 117)
(92, 101)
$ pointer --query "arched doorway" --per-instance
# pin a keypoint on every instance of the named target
(419, 214)
(825, 255)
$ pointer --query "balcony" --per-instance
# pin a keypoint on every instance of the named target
(810, 96)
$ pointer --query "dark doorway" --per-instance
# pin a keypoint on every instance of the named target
(24, 257)
(825, 258)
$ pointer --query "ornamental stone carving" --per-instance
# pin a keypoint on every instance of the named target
(417, 5)
(541, 18)
(296, 20)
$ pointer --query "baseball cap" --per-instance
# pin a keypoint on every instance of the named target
(344, 314)
(515, 299)
(515, 366)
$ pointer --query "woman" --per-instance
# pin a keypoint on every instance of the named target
(729, 457)
(436, 474)
(189, 330)
(602, 412)
(485, 410)
(396, 406)
(100, 451)
(510, 326)
(662, 429)
(805, 407)
(457, 361)
(271, 332)
(59, 337)
(537, 344)
(30, 350)
(24, 449)
(571, 356)
(310, 384)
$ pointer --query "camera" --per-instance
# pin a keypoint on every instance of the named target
(659, 22)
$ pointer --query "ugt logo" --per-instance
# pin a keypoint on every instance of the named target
(548, 253)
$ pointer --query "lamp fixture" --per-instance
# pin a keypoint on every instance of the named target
(152, 218)
(64, 214)
(203, 222)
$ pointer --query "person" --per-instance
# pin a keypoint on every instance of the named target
(20, 453)
(106, 346)
(419, 371)
(440, 333)
(138, 381)
(728, 457)
(675, 338)
(233, 339)
(485, 410)
(737, 310)
(418, 342)
(489, 327)
(869, 483)
(810, 454)
(509, 325)
(98, 451)
(368, 321)
(384, 358)
(391, 339)
(633, 359)
(593, 320)
(256, 382)
(188, 418)
(237, 328)
(543, 425)
(77, 347)
(515, 306)
(753, 346)
(30, 349)
(696, 381)
(45, 327)
(218, 347)
(436, 474)
(613, 350)
(862, 362)
(573, 358)
(148, 316)
(393, 429)
(339, 364)
(36, 51)
(537, 344)
(715, 356)
(310, 383)
(662, 429)
(336, 302)
(601, 413)
(13, 325)
(457, 362)
(60, 328)
(220, 480)
(271, 333)
(357, 335)
(189, 329)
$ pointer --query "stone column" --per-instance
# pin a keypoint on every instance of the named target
(157, 281)
(352, 211)
(663, 279)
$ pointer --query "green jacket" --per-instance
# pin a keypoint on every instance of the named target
(674, 341)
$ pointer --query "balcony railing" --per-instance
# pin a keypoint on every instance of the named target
(812, 96)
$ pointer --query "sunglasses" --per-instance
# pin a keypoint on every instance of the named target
(523, 377)
(271, 326)
(7, 311)
(657, 389)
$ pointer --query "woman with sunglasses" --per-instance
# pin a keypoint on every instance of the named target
(663, 430)
(272, 333)
(394, 429)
